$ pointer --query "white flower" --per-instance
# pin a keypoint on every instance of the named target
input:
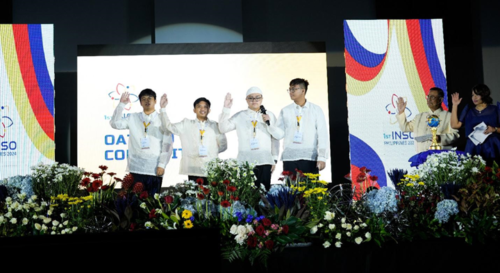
(55, 223)
(338, 236)
(240, 238)
(143, 205)
(338, 244)
(47, 220)
(348, 226)
(348, 234)
(74, 229)
(363, 225)
(314, 229)
(13, 221)
(44, 227)
(329, 215)
(343, 220)
(8, 200)
(326, 244)
(331, 226)
(234, 229)
(53, 233)
(26, 206)
(148, 224)
(242, 230)
(358, 240)
(65, 223)
(1, 219)
(25, 221)
(63, 232)
(157, 196)
(8, 214)
(475, 170)
(63, 215)
(38, 226)
(356, 227)
(320, 225)
(343, 225)
(368, 235)
(49, 212)
(249, 228)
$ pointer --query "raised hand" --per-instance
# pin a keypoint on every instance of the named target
(455, 99)
(164, 101)
(125, 98)
(401, 103)
(228, 102)
(265, 117)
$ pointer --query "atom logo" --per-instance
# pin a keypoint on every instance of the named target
(392, 109)
(5, 122)
(117, 93)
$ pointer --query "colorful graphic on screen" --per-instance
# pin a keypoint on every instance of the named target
(385, 60)
(26, 97)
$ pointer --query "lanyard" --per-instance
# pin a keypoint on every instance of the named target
(254, 122)
(298, 115)
(146, 125)
(201, 128)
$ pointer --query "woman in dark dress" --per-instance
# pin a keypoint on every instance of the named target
(481, 110)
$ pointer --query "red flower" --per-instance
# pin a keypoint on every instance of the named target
(285, 229)
(132, 226)
(266, 222)
(226, 182)
(102, 167)
(269, 244)
(85, 181)
(199, 181)
(96, 175)
(260, 230)
(487, 169)
(362, 169)
(152, 214)
(231, 188)
(86, 173)
(236, 198)
(498, 175)
(144, 194)
(128, 181)
(118, 179)
(200, 196)
(96, 184)
(374, 178)
(206, 190)
(488, 180)
(403, 193)
(412, 198)
(105, 188)
(91, 189)
(112, 174)
(220, 193)
(361, 177)
(225, 203)
(169, 199)
(286, 173)
(252, 241)
(301, 174)
(231, 197)
(138, 187)
(214, 183)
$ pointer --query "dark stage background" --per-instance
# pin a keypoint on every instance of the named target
(472, 45)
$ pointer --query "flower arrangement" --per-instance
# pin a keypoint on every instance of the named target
(18, 184)
(340, 230)
(100, 185)
(53, 179)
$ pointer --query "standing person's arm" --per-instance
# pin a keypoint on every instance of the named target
(275, 131)
(166, 153)
(404, 125)
(117, 122)
(225, 123)
(166, 124)
(221, 139)
(454, 123)
(449, 135)
(323, 139)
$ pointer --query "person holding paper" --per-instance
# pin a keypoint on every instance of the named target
(258, 135)
(149, 146)
(481, 113)
(446, 135)
(306, 144)
(201, 139)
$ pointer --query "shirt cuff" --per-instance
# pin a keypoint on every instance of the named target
(226, 110)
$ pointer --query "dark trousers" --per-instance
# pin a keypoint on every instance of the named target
(306, 166)
(194, 178)
(263, 174)
(151, 183)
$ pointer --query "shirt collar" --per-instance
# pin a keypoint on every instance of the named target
(306, 105)
(437, 111)
(148, 118)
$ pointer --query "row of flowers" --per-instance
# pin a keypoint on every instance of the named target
(449, 195)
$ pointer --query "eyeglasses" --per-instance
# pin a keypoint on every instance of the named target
(148, 98)
(431, 97)
(254, 99)
(292, 90)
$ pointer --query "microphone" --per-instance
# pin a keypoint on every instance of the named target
(263, 111)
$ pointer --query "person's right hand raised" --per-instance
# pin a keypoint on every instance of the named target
(164, 101)
(228, 102)
(401, 105)
(125, 98)
(455, 99)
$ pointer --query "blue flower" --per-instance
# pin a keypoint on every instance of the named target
(446, 209)
(382, 200)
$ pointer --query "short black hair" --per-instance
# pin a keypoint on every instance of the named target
(200, 100)
(439, 90)
(304, 83)
(483, 91)
(147, 92)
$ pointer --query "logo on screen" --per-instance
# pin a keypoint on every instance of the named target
(117, 93)
(392, 110)
(6, 121)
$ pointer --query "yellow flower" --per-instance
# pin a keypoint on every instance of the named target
(409, 185)
(320, 197)
(186, 214)
(421, 183)
(54, 205)
(188, 223)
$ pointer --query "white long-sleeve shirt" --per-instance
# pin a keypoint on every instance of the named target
(315, 144)
(144, 161)
(189, 132)
(267, 136)
(419, 127)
